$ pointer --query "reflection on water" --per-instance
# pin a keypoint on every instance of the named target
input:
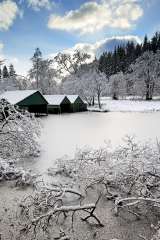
(63, 134)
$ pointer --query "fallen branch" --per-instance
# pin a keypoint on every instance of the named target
(45, 206)
(65, 190)
(66, 209)
(119, 202)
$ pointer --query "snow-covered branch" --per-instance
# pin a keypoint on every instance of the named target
(19, 132)
(43, 210)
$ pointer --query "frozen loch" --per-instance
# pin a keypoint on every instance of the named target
(64, 134)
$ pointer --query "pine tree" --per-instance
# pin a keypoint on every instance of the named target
(36, 60)
(158, 41)
(124, 55)
(138, 50)
(12, 72)
(121, 56)
(146, 44)
(102, 63)
(5, 72)
(154, 42)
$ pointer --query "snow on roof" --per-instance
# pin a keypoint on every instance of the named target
(17, 96)
(54, 99)
(72, 98)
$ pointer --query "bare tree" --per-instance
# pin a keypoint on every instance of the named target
(88, 82)
(70, 63)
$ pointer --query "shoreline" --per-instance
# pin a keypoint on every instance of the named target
(109, 105)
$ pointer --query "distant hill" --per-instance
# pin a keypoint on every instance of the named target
(109, 44)
(96, 49)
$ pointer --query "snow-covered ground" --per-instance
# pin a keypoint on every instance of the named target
(127, 105)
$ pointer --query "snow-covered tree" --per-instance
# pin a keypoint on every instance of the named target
(5, 72)
(42, 74)
(70, 63)
(12, 72)
(22, 82)
(89, 82)
(117, 85)
(146, 74)
(96, 80)
(79, 83)
(19, 132)
(12, 78)
(36, 65)
(0, 73)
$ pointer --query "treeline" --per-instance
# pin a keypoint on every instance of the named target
(10, 80)
(7, 72)
(131, 69)
(123, 56)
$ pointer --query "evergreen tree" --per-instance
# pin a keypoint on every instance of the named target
(12, 72)
(154, 43)
(124, 56)
(158, 41)
(121, 63)
(42, 73)
(146, 44)
(138, 50)
(5, 72)
(130, 54)
(36, 61)
(102, 63)
(1, 63)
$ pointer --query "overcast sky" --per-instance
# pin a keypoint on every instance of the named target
(58, 25)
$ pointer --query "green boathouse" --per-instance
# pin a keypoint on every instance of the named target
(31, 100)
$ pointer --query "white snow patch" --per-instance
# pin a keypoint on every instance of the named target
(14, 97)
(127, 105)
(72, 98)
(54, 99)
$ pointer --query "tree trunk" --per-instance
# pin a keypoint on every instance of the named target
(148, 97)
(149, 86)
(99, 101)
(149, 91)
(115, 96)
(37, 75)
(93, 101)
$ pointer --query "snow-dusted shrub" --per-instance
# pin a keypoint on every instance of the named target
(9, 172)
(19, 132)
(137, 168)
(132, 169)
(129, 175)
(86, 168)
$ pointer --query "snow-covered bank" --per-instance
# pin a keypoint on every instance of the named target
(19, 177)
(109, 105)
